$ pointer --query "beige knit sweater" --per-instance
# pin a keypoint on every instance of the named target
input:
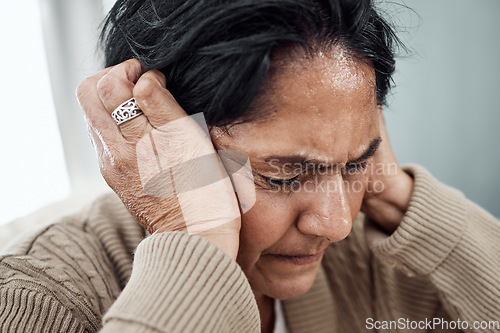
(97, 270)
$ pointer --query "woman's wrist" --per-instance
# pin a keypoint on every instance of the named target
(228, 239)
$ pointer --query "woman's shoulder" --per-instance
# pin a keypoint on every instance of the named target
(83, 260)
(105, 221)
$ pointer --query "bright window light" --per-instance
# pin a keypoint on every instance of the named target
(32, 164)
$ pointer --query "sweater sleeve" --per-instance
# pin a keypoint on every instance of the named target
(183, 283)
(25, 310)
(450, 240)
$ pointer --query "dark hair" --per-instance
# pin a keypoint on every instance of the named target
(216, 54)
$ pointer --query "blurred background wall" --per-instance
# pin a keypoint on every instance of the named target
(445, 111)
(443, 114)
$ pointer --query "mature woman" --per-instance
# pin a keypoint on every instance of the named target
(291, 92)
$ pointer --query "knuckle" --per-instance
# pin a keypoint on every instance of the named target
(105, 86)
(83, 89)
(145, 88)
(132, 69)
(133, 64)
(121, 170)
(112, 85)
(120, 158)
(158, 76)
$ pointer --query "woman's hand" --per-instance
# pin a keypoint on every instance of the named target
(161, 164)
(389, 188)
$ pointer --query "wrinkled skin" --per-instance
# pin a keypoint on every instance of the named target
(322, 108)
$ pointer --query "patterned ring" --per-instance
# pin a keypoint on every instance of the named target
(126, 111)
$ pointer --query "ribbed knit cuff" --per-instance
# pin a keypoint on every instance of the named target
(431, 228)
(184, 283)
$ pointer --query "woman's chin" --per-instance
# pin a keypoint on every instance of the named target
(282, 285)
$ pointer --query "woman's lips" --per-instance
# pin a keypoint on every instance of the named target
(299, 259)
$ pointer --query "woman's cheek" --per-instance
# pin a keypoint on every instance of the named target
(264, 224)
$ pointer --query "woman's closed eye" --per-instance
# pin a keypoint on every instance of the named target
(354, 168)
(275, 183)
(284, 184)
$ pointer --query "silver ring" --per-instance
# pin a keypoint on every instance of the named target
(126, 111)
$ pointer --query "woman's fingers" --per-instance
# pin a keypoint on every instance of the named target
(159, 106)
(100, 124)
(121, 83)
(115, 88)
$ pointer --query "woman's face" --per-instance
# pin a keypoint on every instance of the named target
(321, 129)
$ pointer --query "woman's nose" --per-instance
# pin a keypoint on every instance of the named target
(325, 209)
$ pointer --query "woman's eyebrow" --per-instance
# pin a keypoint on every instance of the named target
(301, 159)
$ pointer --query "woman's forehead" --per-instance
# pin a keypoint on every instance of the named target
(327, 106)
(323, 87)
